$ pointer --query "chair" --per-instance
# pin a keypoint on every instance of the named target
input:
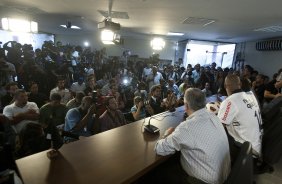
(242, 170)
(129, 117)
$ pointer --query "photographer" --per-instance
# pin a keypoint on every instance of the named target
(14, 53)
(7, 69)
(140, 109)
(80, 120)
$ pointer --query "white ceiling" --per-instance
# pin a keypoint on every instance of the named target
(235, 19)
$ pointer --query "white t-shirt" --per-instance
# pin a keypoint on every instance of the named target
(64, 93)
(196, 76)
(241, 114)
(89, 71)
(75, 87)
(75, 55)
(146, 72)
(12, 110)
(156, 79)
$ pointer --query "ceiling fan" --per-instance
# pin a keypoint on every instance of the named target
(113, 14)
(69, 25)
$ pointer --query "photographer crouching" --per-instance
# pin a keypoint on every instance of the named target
(141, 108)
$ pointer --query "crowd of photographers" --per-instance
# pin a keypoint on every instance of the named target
(74, 91)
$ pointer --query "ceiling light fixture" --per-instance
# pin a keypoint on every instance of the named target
(86, 44)
(158, 44)
(107, 37)
(175, 34)
(19, 25)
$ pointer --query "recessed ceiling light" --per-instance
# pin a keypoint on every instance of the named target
(270, 29)
(175, 34)
(86, 44)
(72, 27)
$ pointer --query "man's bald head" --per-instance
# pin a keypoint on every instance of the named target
(232, 83)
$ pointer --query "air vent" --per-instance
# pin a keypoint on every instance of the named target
(270, 29)
(269, 45)
(224, 38)
(198, 21)
(114, 14)
(25, 9)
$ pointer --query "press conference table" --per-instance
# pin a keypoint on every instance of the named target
(120, 155)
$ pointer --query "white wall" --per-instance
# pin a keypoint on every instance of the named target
(265, 62)
(35, 39)
(137, 46)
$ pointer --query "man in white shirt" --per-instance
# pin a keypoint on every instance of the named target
(75, 57)
(202, 141)
(196, 73)
(154, 77)
(21, 111)
(240, 113)
(89, 70)
(78, 86)
(146, 71)
(173, 87)
(64, 93)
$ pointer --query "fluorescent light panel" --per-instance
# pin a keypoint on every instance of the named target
(175, 34)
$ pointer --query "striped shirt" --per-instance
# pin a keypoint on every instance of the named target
(204, 147)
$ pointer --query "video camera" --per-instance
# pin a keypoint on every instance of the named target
(145, 101)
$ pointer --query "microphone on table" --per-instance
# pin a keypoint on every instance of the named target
(151, 128)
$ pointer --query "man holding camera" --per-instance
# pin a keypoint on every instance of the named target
(79, 121)
(141, 108)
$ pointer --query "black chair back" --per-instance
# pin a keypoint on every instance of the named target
(242, 170)
(129, 117)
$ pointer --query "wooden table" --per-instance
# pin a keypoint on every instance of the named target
(120, 155)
